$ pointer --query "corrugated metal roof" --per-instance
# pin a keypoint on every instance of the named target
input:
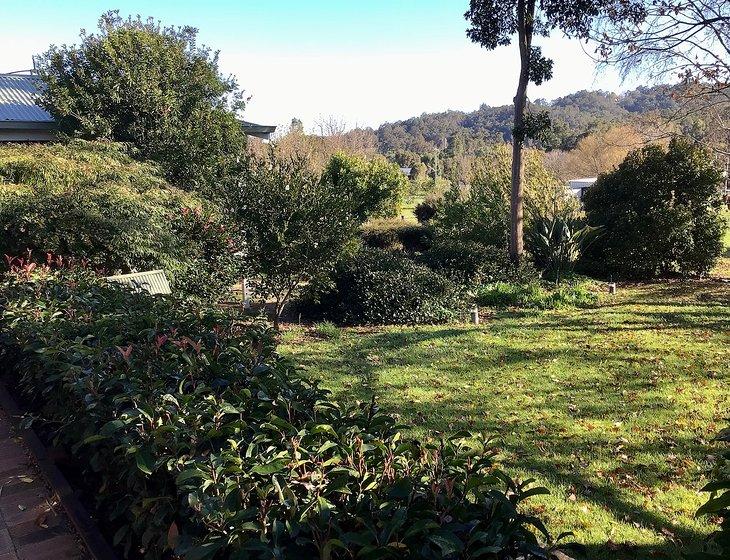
(18, 93)
(153, 281)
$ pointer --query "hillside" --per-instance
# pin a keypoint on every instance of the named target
(573, 116)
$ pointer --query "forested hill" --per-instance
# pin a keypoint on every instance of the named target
(572, 116)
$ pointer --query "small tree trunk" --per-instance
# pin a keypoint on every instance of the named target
(516, 246)
(525, 17)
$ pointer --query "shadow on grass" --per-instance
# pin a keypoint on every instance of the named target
(620, 380)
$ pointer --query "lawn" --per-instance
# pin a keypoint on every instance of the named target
(612, 408)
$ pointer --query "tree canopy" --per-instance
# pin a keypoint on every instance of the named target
(659, 213)
(154, 87)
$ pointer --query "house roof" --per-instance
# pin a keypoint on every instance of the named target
(259, 130)
(18, 93)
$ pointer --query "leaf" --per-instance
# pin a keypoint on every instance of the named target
(188, 474)
(110, 427)
(271, 467)
(173, 534)
(537, 491)
(145, 462)
(204, 551)
(329, 545)
(447, 542)
(714, 505)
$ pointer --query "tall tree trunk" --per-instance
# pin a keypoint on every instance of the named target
(525, 17)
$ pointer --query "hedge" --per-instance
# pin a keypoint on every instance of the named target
(198, 441)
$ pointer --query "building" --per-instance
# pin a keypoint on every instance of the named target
(21, 120)
(579, 186)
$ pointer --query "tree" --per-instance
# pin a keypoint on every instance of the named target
(494, 23)
(480, 212)
(154, 87)
(375, 186)
(686, 39)
(293, 224)
(596, 153)
(659, 214)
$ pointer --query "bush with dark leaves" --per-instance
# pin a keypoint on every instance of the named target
(198, 442)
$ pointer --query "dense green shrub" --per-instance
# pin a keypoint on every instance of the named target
(155, 87)
(294, 224)
(659, 212)
(375, 287)
(425, 211)
(375, 186)
(396, 235)
(93, 201)
(718, 545)
(197, 441)
(468, 262)
(534, 295)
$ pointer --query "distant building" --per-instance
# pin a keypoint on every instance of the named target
(579, 186)
(21, 120)
(406, 171)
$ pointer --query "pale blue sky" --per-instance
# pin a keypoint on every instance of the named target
(362, 62)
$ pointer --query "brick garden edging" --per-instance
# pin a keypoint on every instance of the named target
(86, 529)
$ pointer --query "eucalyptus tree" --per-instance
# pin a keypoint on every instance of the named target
(494, 23)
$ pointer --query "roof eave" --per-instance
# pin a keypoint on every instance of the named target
(28, 125)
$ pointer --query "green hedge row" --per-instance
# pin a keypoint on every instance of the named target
(199, 442)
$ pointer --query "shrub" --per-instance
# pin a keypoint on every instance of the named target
(196, 441)
(718, 545)
(376, 287)
(425, 211)
(293, 225)
(659, 212)
(154, 87)
(396, 234)
(375, 186)
(468, 262)
(556, 243)
(533, 295)
(93, 201)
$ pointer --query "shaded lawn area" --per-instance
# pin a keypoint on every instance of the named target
(611, 408)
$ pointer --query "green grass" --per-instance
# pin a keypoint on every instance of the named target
(612, 408)
(536, 296)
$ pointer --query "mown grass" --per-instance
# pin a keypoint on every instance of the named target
(612, 408)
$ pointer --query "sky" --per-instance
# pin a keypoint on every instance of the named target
(363, 63)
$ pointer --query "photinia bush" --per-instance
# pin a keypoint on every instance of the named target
(199, 442)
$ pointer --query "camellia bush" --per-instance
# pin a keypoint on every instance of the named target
(380, 287)
(197, 441)
(92, 200)
(659, 214)
(293, 224)
(471, 263)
